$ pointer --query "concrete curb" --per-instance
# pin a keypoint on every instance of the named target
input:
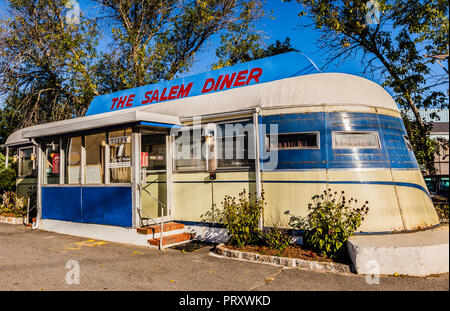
(286, 262)
(418, 254)
(12, 220)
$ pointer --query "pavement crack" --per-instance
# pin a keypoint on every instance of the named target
(267, 280)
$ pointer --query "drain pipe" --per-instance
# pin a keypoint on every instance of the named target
(258, 162)
(35, 224)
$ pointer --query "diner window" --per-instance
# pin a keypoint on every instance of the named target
(444, 185)
(356, 140)
(25, 162)
(52, 162)
(293, 141)
(95, 158)
(236, 151)
(73, 160)
(153, 152)
(407, 142)
(188, 151)
(120, 153)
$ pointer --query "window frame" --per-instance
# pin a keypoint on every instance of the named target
(407, 142)
(64, 140)
(246, 168)
(66, 156)
(268, 147)
(19, 164)
(108, 168)
(333, 134)
(102, 177)
(207, 126)
(43, 145)
(174, 148)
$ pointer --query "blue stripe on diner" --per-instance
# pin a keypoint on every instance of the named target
(350, 182)
(160, 124)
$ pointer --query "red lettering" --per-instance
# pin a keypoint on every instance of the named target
(130, 101)
(173, 92)
(114, 102)
(240, 80)
(254, 74)
(147, 98)
(207, 88)
(155, 96)
(218, 82)
(162, 95)
(185, 91)
(227, 81)
(122, 101)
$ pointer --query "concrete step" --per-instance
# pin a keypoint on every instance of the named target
(171, 240)
(419, 253)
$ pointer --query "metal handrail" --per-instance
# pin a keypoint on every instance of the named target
(162, 211)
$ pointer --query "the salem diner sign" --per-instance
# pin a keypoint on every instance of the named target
(241, 78)
(254, 72)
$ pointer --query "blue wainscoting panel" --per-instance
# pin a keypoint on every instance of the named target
(95, 205)
(107, 206)
(61, 203)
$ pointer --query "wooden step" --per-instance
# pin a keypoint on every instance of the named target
(172, 239)
(168, 226)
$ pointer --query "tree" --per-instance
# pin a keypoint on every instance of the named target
(155, 40)
(234, 51)
(393, 47)
(243, 42)
(45, 63)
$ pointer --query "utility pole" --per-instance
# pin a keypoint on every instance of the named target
(440, 57)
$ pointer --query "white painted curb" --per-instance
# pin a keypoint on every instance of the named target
(416, 254)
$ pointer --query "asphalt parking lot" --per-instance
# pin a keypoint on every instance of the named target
(37, 260)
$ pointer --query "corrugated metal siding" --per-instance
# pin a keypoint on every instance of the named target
(425, 113)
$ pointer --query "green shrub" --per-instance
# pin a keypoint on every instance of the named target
(11, 204)
(7, 179)
(331, 222)
(442, 211)
(241, 217)
(276, 238)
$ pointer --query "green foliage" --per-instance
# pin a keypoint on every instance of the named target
(45, 63)
(331, 221)
(243, 42)
(276, 238)
(11, 204)
(157, 40)
(424, 147)
(394, 50)
(442, 210)
(241, 217)
(7, 175)
(233, 52)
(7, 179)
(50, 70)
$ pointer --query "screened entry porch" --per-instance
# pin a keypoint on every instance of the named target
(113, 175)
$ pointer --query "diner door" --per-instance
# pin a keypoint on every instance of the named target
(155, 206)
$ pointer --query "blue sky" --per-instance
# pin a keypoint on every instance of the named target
(285, 23)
